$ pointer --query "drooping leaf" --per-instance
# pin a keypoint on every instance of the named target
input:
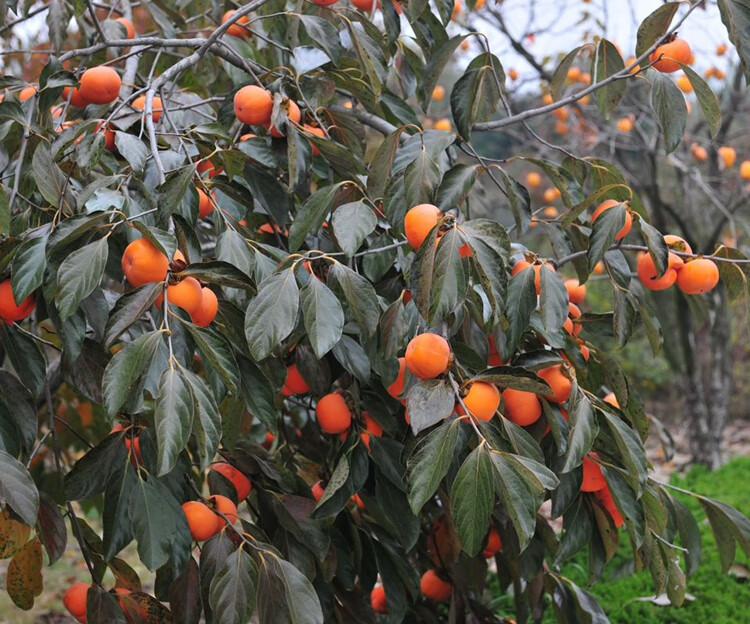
(18, 489)
(173, 417)
(232, 592)
(668, 105)
(322, 314)
(272, 314)
(79, 274)
(430, 462)
(472, 496)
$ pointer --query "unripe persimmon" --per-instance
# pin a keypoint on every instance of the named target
(202, 521)
(397, 387)
(494, 544)
(482, 400)
(9, 310)
(377, 599)
(294, 382)
(418, 223)
(521, 407)
(666, 57)
(207, 310)
(428, 355)
(100, 85)
(238, 29)
(157, 108)
(225, 506)
(332, 414)
(435, 588)
(74, 600)
(558, 381)
(698, 276)
(606, 205)
(253, 105)
(241, 483)
(593, 479)
(576, 290)
(648, 274)
(186, 294)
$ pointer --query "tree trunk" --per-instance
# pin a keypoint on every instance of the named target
(708, 379)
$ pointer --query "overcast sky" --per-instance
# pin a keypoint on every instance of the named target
(562, 24)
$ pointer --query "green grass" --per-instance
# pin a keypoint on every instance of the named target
(719, 598)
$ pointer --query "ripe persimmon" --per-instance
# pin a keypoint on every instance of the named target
(76, 98)
(325, 2)
(74, 600)
(745, 170)
(699, 152)
(667, 56)
(521, 407)
(494, 358)
(238, 29)
(397, 387)
(129, 30)
(27, 93)
(482, 400)
(100, 85)
(438, 93)
(576, 290)
(513, 74)
(443, 124)
(157, 108)
(558, 381)
(377, 599)
(604, 496)
(428, 355)
(205, 203)
(434, 587)
(202, 521)
(606, 205)
(551, 194)
(241, 483)
(294, 382)
(294, 115)
(625, 124)
(677, 243)
(109, 136)
(268, 441)
(494, 544)
(333, 414)
(683, 82)
(9, 310)
(612, 400)
(372, 428)
(133, 442)
(226, 506)
(533, 179)
(593, 479)
(207, 310)
(418, 223)
(522, 264)
(318, 490)
(253, 105)
(648, 274)
(698, 276)
(187, 294)
(318, 132)
(728, 156)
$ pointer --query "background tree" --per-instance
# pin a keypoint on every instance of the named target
(232, 255)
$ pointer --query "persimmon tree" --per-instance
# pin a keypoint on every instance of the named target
(247, 305)
(696, 190)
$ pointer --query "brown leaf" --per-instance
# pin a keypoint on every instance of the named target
(24, 581)
(13, 534)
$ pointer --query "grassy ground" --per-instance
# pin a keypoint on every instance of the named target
(719, 598)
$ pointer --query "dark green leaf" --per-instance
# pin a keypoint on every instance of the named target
(129, 309)
(27, 269)
(359, 295)
(429, 401)
(173, 417)
(79, 274)
(352, 223)
(232, 592)
(17, 488)
(655, 26)
(429, 463)
(670, 109)
(322, 314)
(272, 314)
(472, 497)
